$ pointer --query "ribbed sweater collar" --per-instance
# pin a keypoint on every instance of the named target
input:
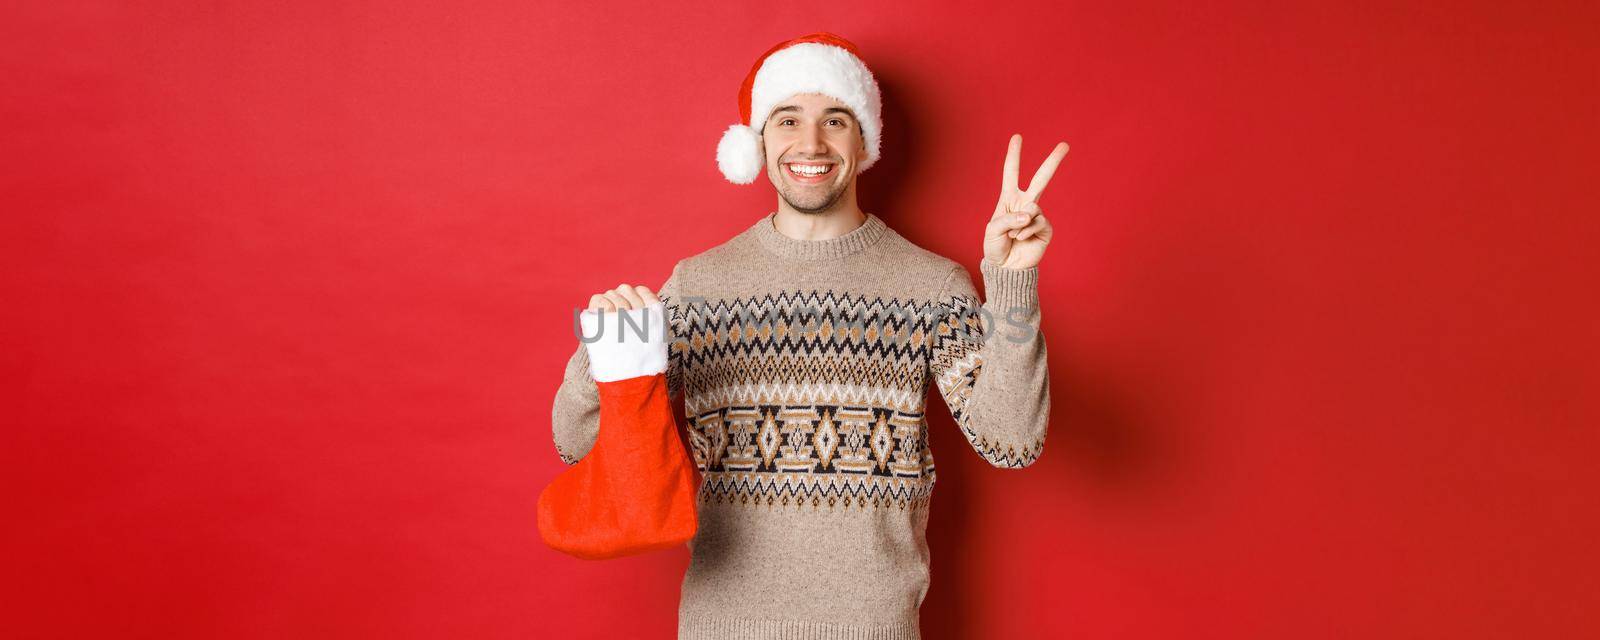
(857, 240)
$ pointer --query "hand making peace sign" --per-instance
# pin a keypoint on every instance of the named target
(1018, 232)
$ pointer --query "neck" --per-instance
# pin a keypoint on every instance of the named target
(845, 216)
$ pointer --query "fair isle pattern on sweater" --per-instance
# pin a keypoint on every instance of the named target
(814, 398)
(804, 368)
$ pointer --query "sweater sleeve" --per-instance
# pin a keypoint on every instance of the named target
(575, 416)
(989, 363)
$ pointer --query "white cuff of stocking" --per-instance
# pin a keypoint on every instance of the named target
(625, 344)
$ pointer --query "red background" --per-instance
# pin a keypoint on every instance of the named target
(286, 293)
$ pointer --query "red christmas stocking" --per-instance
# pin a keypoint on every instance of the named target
(635, 490)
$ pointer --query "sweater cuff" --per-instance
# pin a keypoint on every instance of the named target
(1009, 288)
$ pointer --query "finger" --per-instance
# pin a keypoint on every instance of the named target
(1042, 176)
(646, 295)
(1029, 229)
(627, 293)
(1013, 159)
(1004, 225)
(618, 303)
(1022, 215)
(599, 302)
(1039, 227)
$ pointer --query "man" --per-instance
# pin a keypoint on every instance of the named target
(803, 349)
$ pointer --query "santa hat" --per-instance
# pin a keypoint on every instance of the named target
(818, 63)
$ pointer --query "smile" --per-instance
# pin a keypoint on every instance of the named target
(808, 172)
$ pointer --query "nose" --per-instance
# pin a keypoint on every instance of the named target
(811, 142)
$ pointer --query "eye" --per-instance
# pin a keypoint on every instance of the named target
(786, 122)
(836, 121)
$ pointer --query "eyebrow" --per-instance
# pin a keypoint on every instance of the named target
(796, 108)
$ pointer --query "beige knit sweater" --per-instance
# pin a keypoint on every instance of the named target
(804, 366)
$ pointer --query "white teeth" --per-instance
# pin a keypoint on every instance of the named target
(807, 170)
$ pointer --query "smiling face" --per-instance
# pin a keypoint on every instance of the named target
(813, 146)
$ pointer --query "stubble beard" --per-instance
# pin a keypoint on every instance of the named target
(813, 206)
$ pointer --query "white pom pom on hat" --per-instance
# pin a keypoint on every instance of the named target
(739, 154)
(818, 63)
